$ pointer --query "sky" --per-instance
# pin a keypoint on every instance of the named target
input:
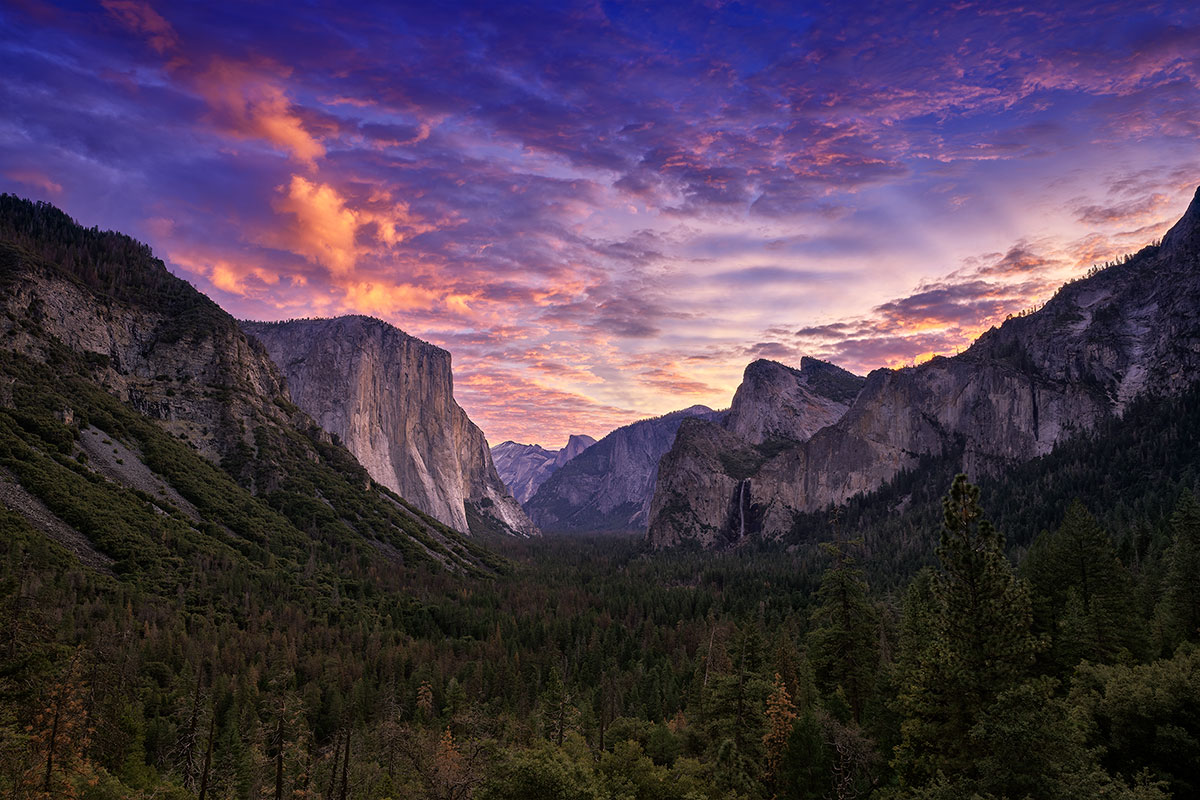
(604, 211)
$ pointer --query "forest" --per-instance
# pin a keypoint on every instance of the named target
(894, 654)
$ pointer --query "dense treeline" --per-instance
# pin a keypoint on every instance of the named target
(593, 670)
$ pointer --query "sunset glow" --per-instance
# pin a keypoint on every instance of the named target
(604, 211)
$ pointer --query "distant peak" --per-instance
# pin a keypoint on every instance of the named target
(694, 410)
(580, 438)
(1187, 229)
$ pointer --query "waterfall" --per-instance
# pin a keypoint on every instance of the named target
(742, 510)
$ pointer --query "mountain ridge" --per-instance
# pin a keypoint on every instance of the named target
(609, 486)
(525, 467)
(389, 397)
(1099, 342)
(96, 330)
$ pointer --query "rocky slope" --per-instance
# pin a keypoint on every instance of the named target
(90, 315)
(1021, 388)
(389, 398)
(704, 481)
(609, 486)
(525, 467)
(775, 401)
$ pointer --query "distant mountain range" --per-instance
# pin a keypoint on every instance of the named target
(351, 424)
(609, 486)
(525, 467)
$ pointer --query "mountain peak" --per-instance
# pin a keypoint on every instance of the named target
(1187, 230)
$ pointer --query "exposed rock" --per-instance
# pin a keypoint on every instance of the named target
(576, 444)
(173, 355)
(609, 486)
(525, 467)
(389, 398)
(775, 401)
(196, 373)
(1021, 388)
(707, 489)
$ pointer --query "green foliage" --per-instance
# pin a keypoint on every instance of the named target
(978, 642)
(844, 640)
(1180, 610)
(545, 773)
(1144, 717)
(1083, 593)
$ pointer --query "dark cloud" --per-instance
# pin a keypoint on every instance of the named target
(559, 185)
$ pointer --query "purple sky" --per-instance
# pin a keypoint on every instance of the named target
(604, 211)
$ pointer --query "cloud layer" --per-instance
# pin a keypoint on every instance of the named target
(605, 210)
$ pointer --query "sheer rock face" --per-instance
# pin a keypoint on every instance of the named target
(212, 386)
(1019, 389)
(609, 485)
(710, 488)
(775, 401)
(525, 467)
(389, 397)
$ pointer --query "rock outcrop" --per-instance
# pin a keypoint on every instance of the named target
(608, 487)
(1131, 328)
(705, 488)
(775, 401)
(389, 398)
(525, 467)
(108, 317)
(157, 344)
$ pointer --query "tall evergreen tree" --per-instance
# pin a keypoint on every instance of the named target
(1180, 607)
(1082, 593)
(844, 641)
(980, 642)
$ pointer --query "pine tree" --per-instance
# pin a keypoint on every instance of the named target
(1082, 593)
(558, 714)
(980, 642)
(1180, 606)
(781, 716)
(844, 642)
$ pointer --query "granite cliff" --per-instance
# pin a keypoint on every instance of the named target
(608, 487)
(525, 467)
(87, 316)
(1101, 341)
(704, 480)
(389, 398)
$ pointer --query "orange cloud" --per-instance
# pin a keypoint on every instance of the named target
(375, 297)
(229, 276)
(31, 177)
(251, 105)
(244, 101)
(323, 229)
(327, 230)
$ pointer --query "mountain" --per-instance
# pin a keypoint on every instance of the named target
(704, 478)
(389, 398)
(775, 401)
(122, 385)
(1100, 342)
(525, 467)
(608, 487)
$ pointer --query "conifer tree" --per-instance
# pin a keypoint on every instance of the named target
(844, 642)
(781, 715)
(1082, 593)
(979, 645)
(1180, 607)
(558, 715)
